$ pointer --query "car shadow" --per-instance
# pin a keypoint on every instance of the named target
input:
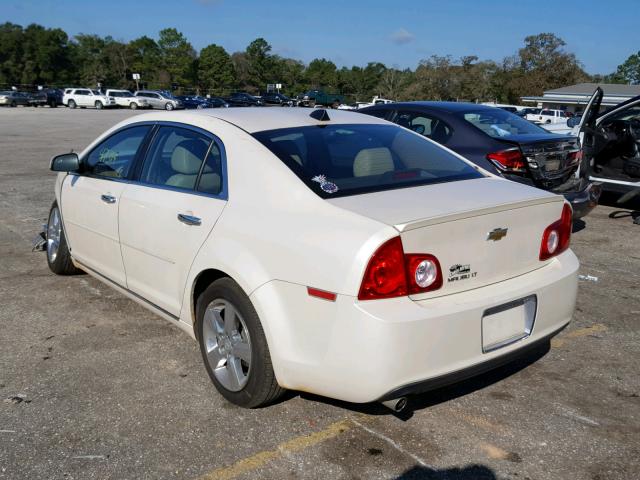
(578, 225)
(440, 395)
(627, 209)
(469, 472)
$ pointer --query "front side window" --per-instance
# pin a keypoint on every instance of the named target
(175, 159)
(114, 157)
(498, 123)
(340, 160)
(82, 92)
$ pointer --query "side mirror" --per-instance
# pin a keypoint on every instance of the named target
(67, 162)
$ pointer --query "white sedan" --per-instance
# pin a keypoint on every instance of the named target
(323, 251)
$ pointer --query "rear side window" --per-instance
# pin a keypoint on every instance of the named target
(175, 158)
(424, 124)
(114, 156)
(340, 160)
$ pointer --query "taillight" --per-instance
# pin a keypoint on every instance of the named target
(556, 237)
(510, 160)
(574, 157)
(392, 273)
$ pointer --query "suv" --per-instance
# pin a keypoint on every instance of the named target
(85, 97)
(124, 98)
(160, 99)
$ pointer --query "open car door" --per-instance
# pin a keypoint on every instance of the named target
(611, 143)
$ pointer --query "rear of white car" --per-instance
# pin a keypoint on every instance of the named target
(470, 274)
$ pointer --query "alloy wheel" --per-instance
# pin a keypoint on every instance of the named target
(228, 344)
(54, 230)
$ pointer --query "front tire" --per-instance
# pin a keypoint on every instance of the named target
(99, 105)
(58, 255)
(168, 106)
(133, 105)
(233, 346)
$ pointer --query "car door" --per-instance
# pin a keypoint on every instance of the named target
(90, 201)
(156, 100)
(166, 215)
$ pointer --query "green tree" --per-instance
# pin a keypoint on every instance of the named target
(177, 56)
(259, 64)
(145, 57)
(629, 71)
(215, 69)
(88, 57)
(321, 73)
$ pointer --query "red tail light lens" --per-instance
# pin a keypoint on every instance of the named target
(574, 157)
(392, 273)
(557, 236)
(510, 160)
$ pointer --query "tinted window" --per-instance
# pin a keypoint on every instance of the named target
(337, 160)
(82, 92)
(498, 123)
(114, 156)
(426, 125)
(175, 158)
(377, 113)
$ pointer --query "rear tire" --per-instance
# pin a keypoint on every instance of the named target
(13, 105)
(71, 104)
(58, 255)
(53, 104)
(240, 343)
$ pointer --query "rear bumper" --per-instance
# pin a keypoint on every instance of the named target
(362, 351)
(585, 199)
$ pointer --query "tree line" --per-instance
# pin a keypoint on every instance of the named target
(35, 55)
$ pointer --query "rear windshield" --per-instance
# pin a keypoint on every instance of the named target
(340, 160)
(498, 123)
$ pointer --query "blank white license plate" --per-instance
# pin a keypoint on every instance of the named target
(508, 323)
(552, 165)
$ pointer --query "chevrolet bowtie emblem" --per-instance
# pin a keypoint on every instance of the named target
(497, 234)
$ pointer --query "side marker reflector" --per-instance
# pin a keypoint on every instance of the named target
(314, 292)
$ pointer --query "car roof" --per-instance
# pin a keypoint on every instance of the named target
(450, 107)
(257, 119)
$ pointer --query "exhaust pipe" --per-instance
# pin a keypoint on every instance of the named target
(397, 404)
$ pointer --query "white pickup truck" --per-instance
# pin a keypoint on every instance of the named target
(85, 97)
(548, 116)
(126, 99)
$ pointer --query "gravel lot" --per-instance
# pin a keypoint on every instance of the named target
(94, 386)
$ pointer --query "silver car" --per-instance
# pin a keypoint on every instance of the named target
(160, 99)
(13, 99)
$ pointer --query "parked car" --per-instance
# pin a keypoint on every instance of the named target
(46, 96)
(192, 102)
(160, 99)
(611, 143)
(502, 143)
(548, 116)
(85, 97)
(216, 102)
(275, 98)
(391, 241)
(243, 99)
(12, 98)
(126, 99)
(319, 97)
(528, 111)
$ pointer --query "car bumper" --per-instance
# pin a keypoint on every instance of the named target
(365, 351)
(584, 199)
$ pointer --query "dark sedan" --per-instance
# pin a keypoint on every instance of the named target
(274, 98)
(242, 99)
(502, 143)
(192, 102)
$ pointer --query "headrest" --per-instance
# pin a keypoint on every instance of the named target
(372, 161)
(187, 156)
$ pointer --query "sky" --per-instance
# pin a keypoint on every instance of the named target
(602, 33)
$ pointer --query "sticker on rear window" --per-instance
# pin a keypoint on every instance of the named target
(325, 185)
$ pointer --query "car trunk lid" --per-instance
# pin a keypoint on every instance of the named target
(482, 231)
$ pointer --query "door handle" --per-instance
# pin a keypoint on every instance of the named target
(189, 219)
(108, 198)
